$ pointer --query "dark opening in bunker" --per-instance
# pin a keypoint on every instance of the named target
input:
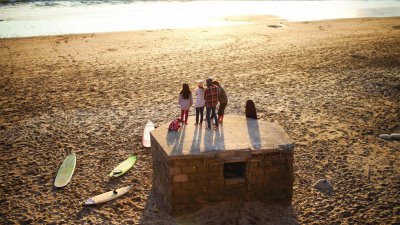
(234, 170)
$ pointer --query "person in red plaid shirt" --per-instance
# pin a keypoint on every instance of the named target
(211, 96)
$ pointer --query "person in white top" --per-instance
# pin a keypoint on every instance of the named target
(200, 103)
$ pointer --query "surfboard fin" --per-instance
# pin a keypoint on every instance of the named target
(115, 191)
(117, 172)
(89, 202)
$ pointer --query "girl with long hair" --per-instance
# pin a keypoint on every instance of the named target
(185, 101)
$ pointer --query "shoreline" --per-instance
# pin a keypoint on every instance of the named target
(245, 20)
(333, 85)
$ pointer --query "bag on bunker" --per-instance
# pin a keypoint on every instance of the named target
(174, 125)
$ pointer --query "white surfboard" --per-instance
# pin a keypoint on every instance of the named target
(146, 134)
(108, 196)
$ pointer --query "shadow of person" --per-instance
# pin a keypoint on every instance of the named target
(254, 132)
(176, 138)
(195, 148)
(154, 212)
(219, 140)
(243, 212)
(208, 140)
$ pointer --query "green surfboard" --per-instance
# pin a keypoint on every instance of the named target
(65, 171)
(123, 167)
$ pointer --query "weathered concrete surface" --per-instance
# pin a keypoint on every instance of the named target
(190, 167)
(236, 133)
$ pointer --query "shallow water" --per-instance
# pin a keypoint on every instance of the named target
(38, 18)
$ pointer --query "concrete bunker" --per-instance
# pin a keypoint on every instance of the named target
(245, 159)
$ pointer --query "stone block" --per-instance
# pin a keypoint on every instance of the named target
(175, 170)
(214, 197)
(195, 177)
(282, 169)
(272, 170)
(214, 185)
(197, 162)
(278, 162)
(201, 168)
(289, 160)
(274, 155)
(189, 169)
(176, 186)
(201, 182)
(179, 162)
(214, 175)
(235, 191)
(190, 185)
(252, 179)
(257, 172)
(255, 164)
(267, 163)
(234, 181)
(180, 195)
(181, 178)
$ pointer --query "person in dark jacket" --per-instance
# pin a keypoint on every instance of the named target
(223, 101)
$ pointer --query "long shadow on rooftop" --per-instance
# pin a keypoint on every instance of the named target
(214, 140)
(254, 133)
(195, 148)
(219, 140)
(176, 140)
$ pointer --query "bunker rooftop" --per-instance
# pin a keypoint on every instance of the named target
(244, 159)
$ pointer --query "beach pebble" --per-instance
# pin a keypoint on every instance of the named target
(385, 136)
(323, 185)
(395, 136)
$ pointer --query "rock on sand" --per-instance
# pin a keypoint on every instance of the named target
(323, 185)
(395, 136)
(385, 136)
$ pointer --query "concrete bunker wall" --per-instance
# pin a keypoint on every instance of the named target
(187, 183)
(244, 159)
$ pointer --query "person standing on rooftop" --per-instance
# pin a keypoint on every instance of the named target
(223, 101)
(185, 101)
(200, 103)
(211, 96)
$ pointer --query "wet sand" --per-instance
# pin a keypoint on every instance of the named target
(333, 85)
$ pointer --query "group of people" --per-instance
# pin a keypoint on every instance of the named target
(209, 98)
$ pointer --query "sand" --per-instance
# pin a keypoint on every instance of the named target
(333, 85)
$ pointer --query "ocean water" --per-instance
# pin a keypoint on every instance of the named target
(21, 18)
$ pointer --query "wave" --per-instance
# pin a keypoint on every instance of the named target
(95, 2)
(45, 17)
(68, 2)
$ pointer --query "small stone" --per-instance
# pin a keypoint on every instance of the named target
(323, 185)
(395, 136)
(385, 136)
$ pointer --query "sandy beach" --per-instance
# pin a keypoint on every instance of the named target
(333, 85)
